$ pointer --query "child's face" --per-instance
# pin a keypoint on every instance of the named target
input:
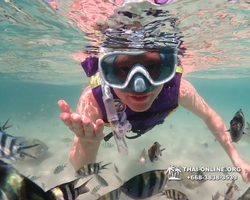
(138, 102)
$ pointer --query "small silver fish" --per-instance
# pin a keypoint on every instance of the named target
(205, 145)
(17, 127)
(90, 169)
(216, 196)
(174, 194)
(33, 178)
(43, 186)
(101, 180)
(154, 151)
(143, 157)
(59, 168)
(112, 195)
(116, 169)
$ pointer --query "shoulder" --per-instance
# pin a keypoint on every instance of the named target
(88, 105)
(191, 100)
(187, 90)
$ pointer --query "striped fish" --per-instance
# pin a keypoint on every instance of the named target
(33, 178)
(90, 169)
(95, 190)
(12, 147)
(230, 191)
(112, 195)
(246, 195)
(116, 169)
(101, 180)
(4, 127)
(154, 151)
(14, 186)
(59, 168)
(67, 191)
(174, 194)
(216, 196)
(145, 185)
(236, 187)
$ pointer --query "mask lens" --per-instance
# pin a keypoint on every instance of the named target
(124, 63)
(122, 70)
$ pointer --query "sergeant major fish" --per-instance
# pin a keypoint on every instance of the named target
(67, 191)
(11, 147)
(101, 180)
(174, 194)
(236, 187)
(145, 185)
(154, 151)
(15, 186)
(95, 190)
(4, 127)
(59, 168)
(90, 169)
(230, 191)
(237, 125)
(112, 195)
(246, 195)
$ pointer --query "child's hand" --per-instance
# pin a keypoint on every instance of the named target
(81, 125)
(245, 168)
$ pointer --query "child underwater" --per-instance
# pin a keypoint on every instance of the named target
(147, 85)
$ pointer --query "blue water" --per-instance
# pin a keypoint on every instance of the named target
(37, 70)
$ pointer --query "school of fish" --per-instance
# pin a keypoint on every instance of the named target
(141, 186)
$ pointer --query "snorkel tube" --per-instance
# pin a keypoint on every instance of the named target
(119, 125)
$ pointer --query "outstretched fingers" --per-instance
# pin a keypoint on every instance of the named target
(99, 128)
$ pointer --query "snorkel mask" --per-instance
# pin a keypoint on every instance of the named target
(137, 76)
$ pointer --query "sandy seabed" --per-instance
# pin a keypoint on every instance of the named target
(183, 135)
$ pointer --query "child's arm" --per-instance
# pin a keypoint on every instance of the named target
(191, 100)
(88, 127)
